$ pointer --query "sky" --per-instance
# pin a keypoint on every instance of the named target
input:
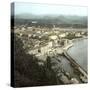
(47, 9)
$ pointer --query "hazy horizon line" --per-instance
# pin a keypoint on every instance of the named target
(48, 14)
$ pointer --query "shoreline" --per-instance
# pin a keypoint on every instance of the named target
(73, 61)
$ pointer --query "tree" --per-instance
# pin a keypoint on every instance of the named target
(27, 71)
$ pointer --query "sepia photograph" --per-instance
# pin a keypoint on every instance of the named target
(49, 44)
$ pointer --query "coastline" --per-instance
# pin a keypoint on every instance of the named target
(73, 60)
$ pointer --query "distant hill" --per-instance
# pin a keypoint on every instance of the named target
(52, 19)
(60, 19)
